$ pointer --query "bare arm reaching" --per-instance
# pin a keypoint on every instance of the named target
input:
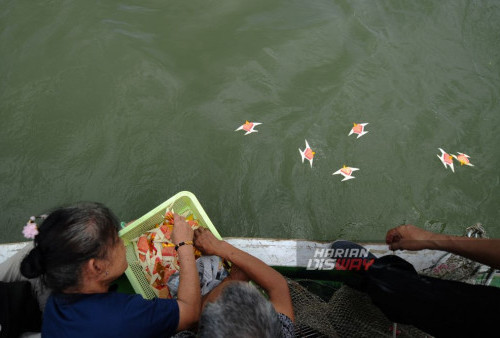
(268, 278)
(189, 294)
(410, 237)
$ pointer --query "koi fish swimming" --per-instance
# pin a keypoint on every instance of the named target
(307, 153)
(358, 128)
(447, 159)
(346, 172)
(249, 127)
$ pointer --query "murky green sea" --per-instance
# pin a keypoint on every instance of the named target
(128, 102)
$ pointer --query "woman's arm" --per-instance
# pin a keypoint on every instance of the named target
(409, 237)
(189, 294)
(268, 278)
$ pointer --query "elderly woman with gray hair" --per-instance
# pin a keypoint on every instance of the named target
(235, 308)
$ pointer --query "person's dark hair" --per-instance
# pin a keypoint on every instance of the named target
(240, 311)
(68, 238)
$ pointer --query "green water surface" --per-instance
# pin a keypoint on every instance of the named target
(128, 102)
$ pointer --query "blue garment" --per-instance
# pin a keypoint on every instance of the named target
(109, 315)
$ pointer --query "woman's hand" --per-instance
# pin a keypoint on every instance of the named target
(182, 231)
(206, 242)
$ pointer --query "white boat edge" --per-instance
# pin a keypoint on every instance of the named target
(290, 252)
(294, 252)
(9, 249)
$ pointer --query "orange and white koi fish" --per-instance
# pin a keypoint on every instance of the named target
(463, 159)
(358, 128)
(307, 153)
(446, 159)
(346, 172)
(249, 127)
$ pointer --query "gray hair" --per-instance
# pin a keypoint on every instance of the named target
(68, 238)
(240, 311)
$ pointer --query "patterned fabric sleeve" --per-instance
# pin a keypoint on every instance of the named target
(287, 327)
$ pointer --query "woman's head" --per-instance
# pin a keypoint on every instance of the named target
(239, 311)
(71, 237)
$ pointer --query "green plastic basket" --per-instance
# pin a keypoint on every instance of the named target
(182, 202)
